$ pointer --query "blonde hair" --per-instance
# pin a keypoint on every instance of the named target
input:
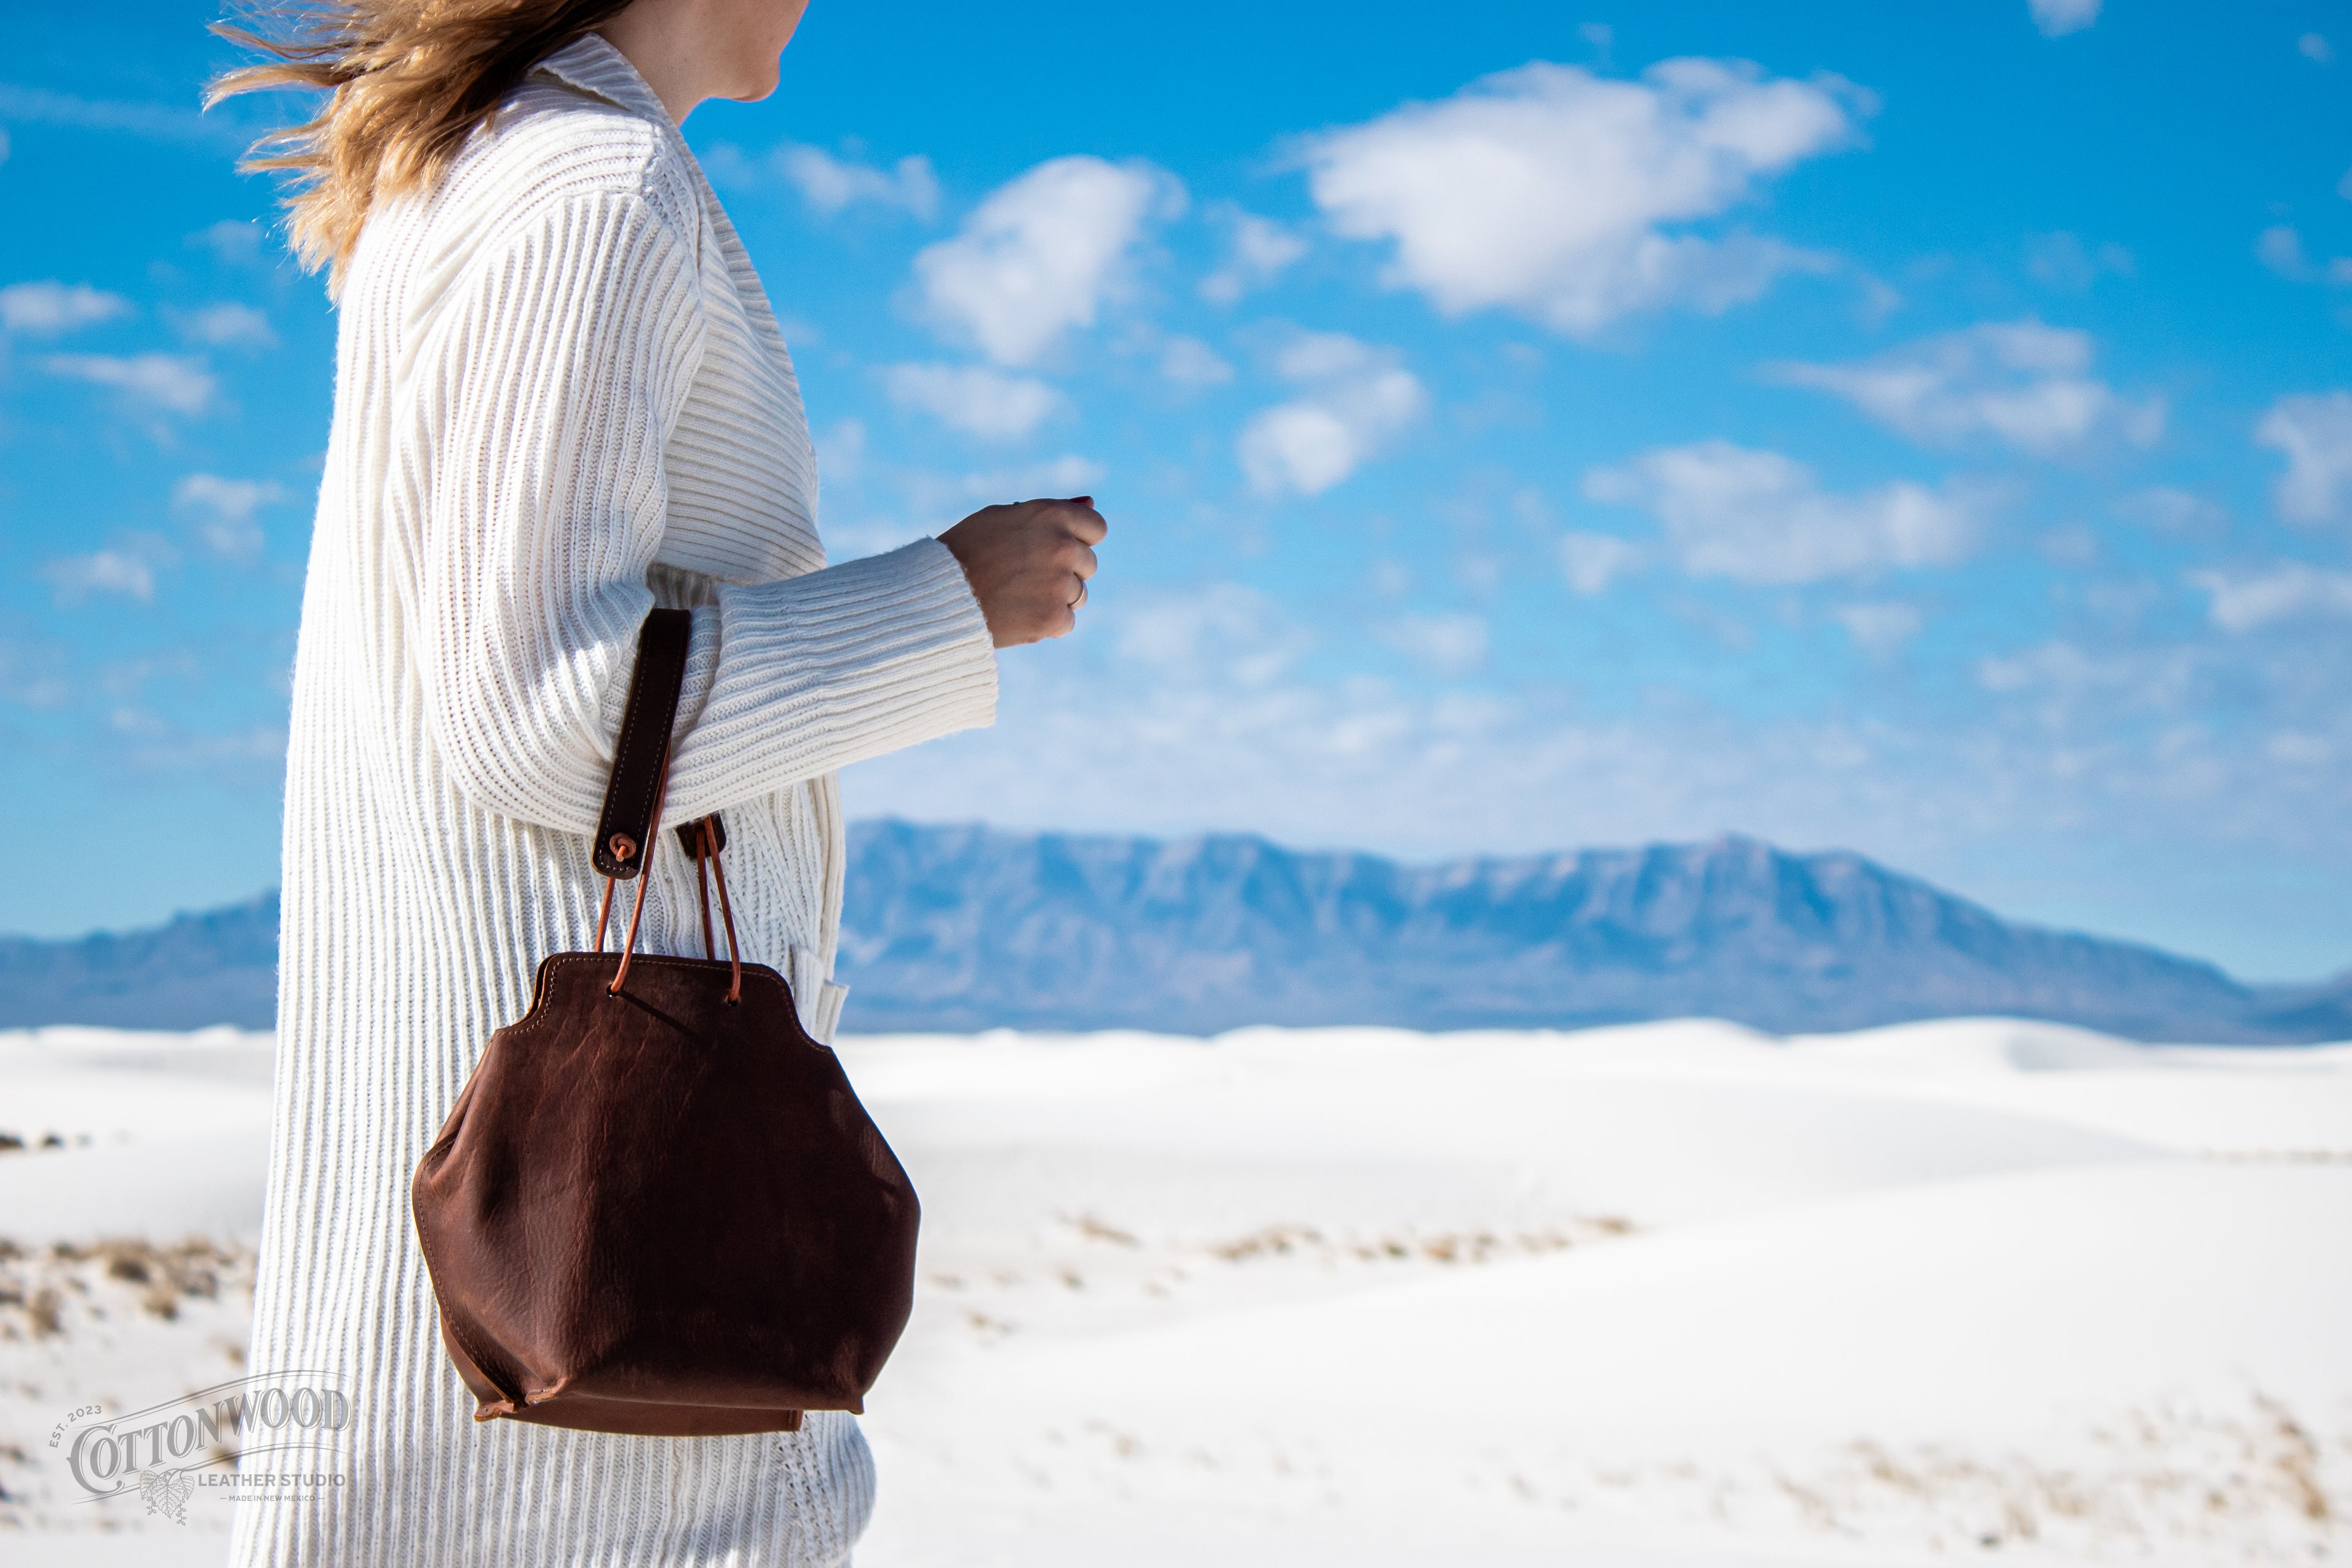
(408, 82)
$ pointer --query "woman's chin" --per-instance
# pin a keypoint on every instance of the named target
(755, 94)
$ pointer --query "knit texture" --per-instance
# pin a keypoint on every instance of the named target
(561, 399)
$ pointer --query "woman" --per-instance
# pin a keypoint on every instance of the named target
(561, 400)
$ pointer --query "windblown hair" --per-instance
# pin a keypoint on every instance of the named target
(407, 82)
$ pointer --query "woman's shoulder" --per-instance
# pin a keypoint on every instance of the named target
(550, 156)
(552, 145)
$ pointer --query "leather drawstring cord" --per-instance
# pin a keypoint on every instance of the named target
(707, 869)
(703, 855)
(644, 881)
(734, 953)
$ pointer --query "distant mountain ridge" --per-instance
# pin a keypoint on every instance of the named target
(960, 928)
(219, 966)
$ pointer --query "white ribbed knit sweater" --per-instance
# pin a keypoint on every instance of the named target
(561, 399)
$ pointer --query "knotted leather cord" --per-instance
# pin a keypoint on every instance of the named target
(706, 869)
(644, 879)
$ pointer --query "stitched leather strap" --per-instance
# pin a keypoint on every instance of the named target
(625, 830)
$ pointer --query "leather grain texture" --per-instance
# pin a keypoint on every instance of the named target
(661, 1213)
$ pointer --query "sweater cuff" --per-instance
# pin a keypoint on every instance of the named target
(818, 671)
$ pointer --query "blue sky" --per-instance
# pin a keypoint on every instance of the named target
(1923, 430)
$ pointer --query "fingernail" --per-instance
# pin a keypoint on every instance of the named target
(1082, 500)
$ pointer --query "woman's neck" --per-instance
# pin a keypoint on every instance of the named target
(690, 50)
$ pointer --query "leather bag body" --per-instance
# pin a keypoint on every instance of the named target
(657, 1207)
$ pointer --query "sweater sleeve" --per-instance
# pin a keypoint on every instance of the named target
(549, 392)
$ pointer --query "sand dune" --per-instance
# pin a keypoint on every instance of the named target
(1672, 1294)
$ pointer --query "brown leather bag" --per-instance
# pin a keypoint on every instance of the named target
(657, 1207)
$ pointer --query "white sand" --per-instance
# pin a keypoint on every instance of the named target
(1678, 1294)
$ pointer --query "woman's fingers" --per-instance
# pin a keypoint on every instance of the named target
(1028, 564)
(1088, 525)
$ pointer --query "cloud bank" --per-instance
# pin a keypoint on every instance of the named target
(2285, 593)
(172, 383)
(2022, 383)
(828, 183)
(224, 509)
(1551, 191)
(50, 308)
(973, 398)
(1760, 518)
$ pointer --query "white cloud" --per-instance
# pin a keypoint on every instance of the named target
(2018, 382)
(1594, 561)
(163, 123)
(943, 499)
(33, 675)
(2174, 511)
(2289, 591)
(170, 382)
(226, 508)
(2157, 680)
(1356, 398)
(2298, 750)
(2063, 261)
(829, 184)
(986, 403)
(1758, 517)
(932, 502)
(48, 308)
(1235, 632)
(106, 570)
(2344, 186)
(1041, 255)
(1067, 475)
(841, 452)
(2316, 48)
(1546, 189)
(4, 146)
(227, 325)
(2316, 434)
(2279, 249)
(234, 242)
(2056, 18)
(1448, 645)
(1879, 630)
(1190, 362)
(1256, 253)
(2073, 545)
(128, 569)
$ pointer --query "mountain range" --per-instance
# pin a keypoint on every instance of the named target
(962, 928)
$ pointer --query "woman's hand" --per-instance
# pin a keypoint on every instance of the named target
(1028, 564)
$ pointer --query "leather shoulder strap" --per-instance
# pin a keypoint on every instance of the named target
(626, 826)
